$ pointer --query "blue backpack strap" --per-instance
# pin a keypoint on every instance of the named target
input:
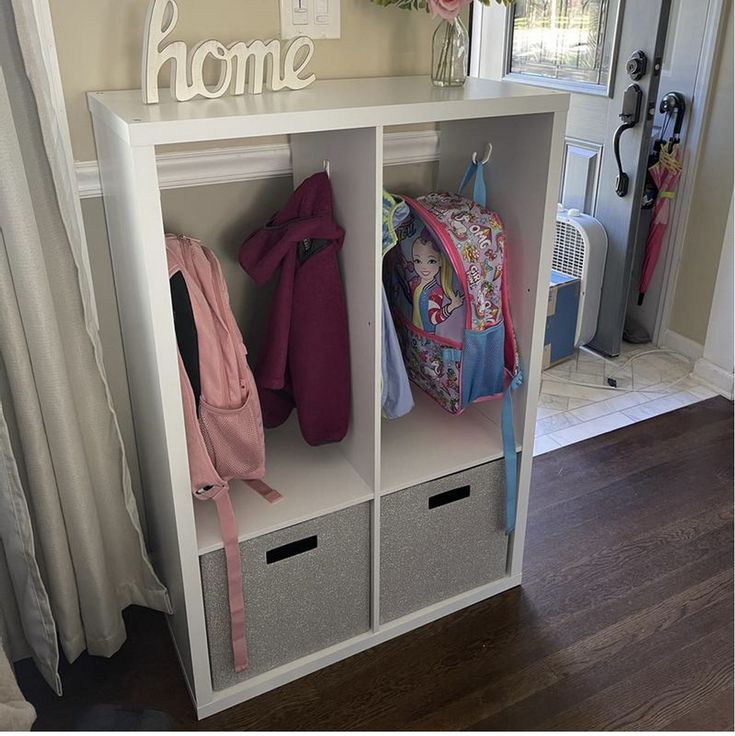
(479, 194)
(479, 191)
(510, 454)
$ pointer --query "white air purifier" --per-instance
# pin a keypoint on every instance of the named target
(580, 249)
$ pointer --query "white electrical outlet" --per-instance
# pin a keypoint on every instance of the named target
(313, 18)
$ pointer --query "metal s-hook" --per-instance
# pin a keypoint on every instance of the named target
(325, 164)
(486, 158)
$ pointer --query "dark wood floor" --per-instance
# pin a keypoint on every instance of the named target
(624, 620)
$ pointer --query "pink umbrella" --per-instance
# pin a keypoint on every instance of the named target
(666, 173)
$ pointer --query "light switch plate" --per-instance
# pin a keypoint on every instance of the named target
(314, 18)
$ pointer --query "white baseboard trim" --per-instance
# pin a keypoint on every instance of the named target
(246, 163)
(684, 345)
(715, 377)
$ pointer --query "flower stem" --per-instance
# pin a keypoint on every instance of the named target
(451, 53)
(449, 50)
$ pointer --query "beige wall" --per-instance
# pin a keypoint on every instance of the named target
(710, 206)
(99, 41)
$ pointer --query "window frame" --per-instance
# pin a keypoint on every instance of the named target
(565, 85)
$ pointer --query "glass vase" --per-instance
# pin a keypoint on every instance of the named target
(449, 54)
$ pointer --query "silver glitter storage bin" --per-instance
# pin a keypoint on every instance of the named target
(441, 538)
(307, 587)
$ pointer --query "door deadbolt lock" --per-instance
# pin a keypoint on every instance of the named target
(636, 65)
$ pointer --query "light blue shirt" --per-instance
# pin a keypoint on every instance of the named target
(397, 398)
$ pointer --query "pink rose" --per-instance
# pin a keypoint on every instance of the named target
(447, 9)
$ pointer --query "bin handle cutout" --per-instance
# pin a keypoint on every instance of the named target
(456, 494)
(291, 549)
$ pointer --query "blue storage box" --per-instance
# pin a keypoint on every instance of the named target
(561, 318)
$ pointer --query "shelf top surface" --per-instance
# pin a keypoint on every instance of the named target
(313, 481)
(408, 454)
(324, 105)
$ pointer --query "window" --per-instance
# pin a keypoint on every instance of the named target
(567, 41)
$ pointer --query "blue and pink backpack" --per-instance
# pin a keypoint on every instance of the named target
(446, 281)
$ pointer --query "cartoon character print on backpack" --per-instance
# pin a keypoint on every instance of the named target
(478, 236)
(460, 218)
(432, 295)
(433, 367)
(423, 287)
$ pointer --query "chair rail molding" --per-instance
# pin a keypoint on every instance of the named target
(178, 170)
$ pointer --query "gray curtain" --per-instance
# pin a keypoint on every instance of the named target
(16, 714)
(74, 556)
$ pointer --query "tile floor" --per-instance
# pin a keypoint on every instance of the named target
(649, 385)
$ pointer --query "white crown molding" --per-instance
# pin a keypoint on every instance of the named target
(410, 148)
(246, 163)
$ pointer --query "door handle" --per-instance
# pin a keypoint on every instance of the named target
(674, 103)
(630, 116)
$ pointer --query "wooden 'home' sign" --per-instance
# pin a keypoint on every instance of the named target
(243, 66)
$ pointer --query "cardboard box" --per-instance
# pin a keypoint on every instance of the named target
(561, 318)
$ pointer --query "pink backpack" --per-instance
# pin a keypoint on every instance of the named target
(224, 429)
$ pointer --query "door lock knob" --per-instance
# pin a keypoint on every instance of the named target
(636, 65)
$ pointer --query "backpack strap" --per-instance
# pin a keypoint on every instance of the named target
(510, 453)
(475, 171)
(263, 489)
(515, 373)
(235, 586)
(228, 525)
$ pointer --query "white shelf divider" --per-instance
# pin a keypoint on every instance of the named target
(356, 164)
(523, 187)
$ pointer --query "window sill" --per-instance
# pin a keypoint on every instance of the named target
(597, 90)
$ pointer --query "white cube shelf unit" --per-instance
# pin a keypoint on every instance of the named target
(342, 121)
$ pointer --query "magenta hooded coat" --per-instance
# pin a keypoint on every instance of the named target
(304, 360)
